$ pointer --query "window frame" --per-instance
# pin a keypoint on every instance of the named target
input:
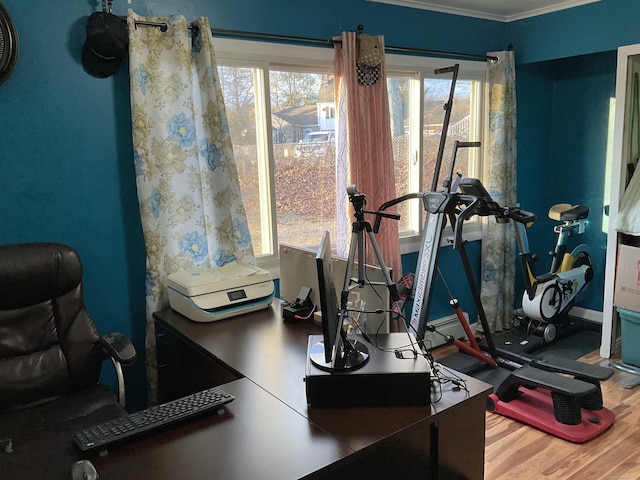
(273, 55)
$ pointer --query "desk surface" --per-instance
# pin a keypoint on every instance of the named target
(271, 354)
(258, 437)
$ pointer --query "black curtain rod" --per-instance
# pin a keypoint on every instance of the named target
(318, 41)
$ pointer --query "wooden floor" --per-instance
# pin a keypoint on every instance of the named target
(516, 451)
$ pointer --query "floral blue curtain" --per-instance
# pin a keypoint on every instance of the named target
(499, 177)
(188, 189)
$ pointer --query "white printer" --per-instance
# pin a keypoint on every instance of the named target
(207, 295)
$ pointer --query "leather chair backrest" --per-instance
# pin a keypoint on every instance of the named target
(49, 346)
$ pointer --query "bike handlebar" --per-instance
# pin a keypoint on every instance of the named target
(521, 216)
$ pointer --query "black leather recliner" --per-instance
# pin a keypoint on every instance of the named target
(51, 356)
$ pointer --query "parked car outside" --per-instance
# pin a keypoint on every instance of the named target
(314, 144)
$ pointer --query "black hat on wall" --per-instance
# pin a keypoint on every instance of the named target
(106, 43)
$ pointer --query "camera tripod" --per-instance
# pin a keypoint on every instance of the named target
(356, 248)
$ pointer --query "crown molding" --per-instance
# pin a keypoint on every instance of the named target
(483, 11)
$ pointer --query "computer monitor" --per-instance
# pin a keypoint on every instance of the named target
(336, 352)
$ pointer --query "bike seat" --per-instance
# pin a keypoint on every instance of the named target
(565, 212)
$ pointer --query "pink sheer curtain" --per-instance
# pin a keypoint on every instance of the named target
(364, 150)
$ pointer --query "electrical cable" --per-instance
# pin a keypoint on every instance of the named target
(438, 376)
(410, 347)
(299, 317)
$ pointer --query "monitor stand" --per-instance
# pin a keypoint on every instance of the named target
(349, 355)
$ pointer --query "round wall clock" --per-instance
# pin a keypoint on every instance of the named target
(8, 44)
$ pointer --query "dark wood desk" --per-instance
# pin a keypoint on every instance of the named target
(269, 432)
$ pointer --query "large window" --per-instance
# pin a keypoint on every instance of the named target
(281, 109)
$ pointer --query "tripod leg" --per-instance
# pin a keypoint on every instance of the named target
(356, 243)
(390, 284)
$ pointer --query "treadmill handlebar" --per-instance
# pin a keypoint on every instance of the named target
(475, 199)
(395, 216)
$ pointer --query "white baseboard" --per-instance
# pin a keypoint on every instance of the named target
(445, 326)
(589, 315)
(451, 325)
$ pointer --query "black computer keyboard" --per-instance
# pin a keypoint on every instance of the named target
(120, 430)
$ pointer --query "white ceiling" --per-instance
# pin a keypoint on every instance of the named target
(501, 10)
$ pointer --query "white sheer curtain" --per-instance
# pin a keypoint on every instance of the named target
(188, 190)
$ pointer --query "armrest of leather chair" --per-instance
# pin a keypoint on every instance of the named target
(122, 352)
(119, 348)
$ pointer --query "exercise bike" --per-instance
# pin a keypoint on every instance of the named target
(548, 297)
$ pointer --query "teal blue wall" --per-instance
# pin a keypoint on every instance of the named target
(566, 65)
(563, 130)
(453, 274)
(596, 27)
(67, 172)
